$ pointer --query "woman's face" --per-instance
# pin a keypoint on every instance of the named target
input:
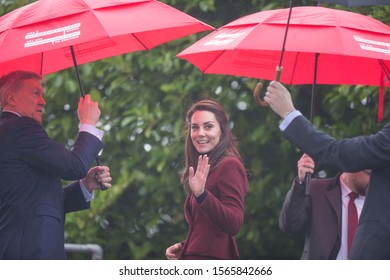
(205, 131)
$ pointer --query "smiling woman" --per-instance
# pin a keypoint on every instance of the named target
(215, 181)
(205, 131)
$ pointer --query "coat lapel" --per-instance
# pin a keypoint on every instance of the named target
(333, 194)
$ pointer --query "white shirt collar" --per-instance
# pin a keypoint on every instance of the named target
(345, 190)
(13, 112)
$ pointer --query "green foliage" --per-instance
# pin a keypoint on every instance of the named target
(144, 96)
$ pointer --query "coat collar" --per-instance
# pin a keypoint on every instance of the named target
(8, 114)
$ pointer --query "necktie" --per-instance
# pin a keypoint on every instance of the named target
(352, 219)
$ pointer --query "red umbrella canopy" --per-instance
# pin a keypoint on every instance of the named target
(354, 3)
(352, 48)
(37, 36)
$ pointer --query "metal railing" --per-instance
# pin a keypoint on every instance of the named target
(94, 250)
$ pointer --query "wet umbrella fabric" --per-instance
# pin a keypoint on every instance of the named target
(355, 3)
(250, 46)
(324, 46)
(353, 49)
(38, 36)
(332, 46)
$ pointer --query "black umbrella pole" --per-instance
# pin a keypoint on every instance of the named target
(313, 90)
(307, 183)
(103, 188)
(76, 67)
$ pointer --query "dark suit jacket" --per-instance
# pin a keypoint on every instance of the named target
(318, 215)
(372, 238)
(32, 200)
(215, 221)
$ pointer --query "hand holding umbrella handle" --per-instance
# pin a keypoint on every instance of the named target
(258, 87)
(98, 162)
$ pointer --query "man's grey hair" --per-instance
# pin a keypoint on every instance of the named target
(13, 81)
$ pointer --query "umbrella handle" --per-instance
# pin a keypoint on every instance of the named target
(307, 183)
(256, 95)
(259, 86)
(98, 162)
(278, 73)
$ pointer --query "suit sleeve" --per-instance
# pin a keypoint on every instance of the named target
(227, 211)
(350, 154)
(295, 212)
(74, 199)
(38, 150)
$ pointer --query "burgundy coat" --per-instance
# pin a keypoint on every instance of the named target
(215, 221)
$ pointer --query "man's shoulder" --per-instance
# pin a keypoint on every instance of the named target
(6, 117)
(326, 183)
(18, 126)
(25, 123)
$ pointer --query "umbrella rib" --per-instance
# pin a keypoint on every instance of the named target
(385, 70)
(295, 65)
(77, 72)
(215, 59)
(313, 88)
(139, 41)
(41, 63)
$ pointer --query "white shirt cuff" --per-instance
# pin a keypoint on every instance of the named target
(289, 118)
(92, 130)
(87, 195)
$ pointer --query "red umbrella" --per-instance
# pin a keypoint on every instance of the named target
(353, 48)
(38, 36)
(354, 3)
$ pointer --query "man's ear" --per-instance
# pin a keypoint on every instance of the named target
(10, 97)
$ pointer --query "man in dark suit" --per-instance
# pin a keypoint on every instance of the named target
(372, 239)
(32, 200)
(323, 214)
